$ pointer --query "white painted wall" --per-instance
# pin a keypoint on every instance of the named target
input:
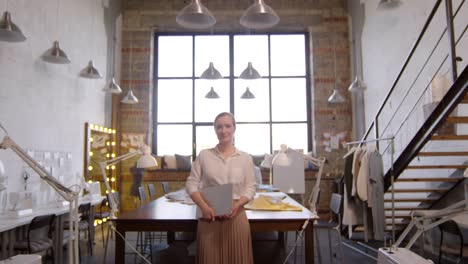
(387, 38)
(44, 106)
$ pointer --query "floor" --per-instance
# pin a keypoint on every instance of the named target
(266, 250)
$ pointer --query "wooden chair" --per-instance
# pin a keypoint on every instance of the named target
(38, 238)
(333, 225)
(450, 234)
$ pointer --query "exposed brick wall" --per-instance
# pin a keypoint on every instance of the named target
(323, 19)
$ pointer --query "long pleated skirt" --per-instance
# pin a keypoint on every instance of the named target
(226, 242)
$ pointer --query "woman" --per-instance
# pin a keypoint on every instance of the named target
(224, 239)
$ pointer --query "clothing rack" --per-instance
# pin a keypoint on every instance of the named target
(360, 142)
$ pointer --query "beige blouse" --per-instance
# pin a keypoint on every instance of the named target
(211, 169)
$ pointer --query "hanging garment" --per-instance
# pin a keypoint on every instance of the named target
(363, 176)
(348, 172)
(375, 194)
(356, 166)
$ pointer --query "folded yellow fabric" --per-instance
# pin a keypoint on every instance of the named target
(271, 203)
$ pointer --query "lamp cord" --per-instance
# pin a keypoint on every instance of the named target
(301, 233)
(128, 244)
(4, 130)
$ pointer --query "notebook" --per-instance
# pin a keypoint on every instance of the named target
(219, 198)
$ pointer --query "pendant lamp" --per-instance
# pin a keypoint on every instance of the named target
(90, 71)
(357, 85)
(335, 97)
(211, 73)
(55, 54)
(112, 87)
(247, 94)
(130, 98)
(249, 73)
(388, 4)
(9, 31)
(195, 16)
(259, 16)
(212, 94)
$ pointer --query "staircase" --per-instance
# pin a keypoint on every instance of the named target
(435, 161)
(428, 155)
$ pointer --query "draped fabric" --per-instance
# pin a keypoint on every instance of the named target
(227, 242)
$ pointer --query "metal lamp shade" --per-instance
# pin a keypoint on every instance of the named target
(130, 98)
(112, 87)
(388, 4)
(211, 73)
(212, 94)
(259, 16)
(357, 85)
(55, 55)
(195, 16)
(90, 72)
(247, 94)
(336, 97)
(249, 73)
(10, 32)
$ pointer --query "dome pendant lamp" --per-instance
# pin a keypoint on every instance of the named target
(130, 98)
(55, 54)
(335, 97)
(90, 71)
(247, 94)
(249, 73)
(9, 31)
(211, 73)
(259, 16)
(212, 94)
(195, 16)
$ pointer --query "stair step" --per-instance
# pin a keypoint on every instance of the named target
(399, 216)
(412, 200)
(457, 120)
(443, 153)
(449, 137)
(425, 190)
(409, 208)
(461, 167)
(429, 179)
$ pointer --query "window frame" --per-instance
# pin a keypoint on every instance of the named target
(231, 79)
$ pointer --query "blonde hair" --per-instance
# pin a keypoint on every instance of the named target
(225, 114)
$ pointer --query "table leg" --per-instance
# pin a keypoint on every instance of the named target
(170, 237)
(309, 243)
(58, 243)
(119, 246)
(4, 245)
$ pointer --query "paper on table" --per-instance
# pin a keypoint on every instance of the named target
(219, 198)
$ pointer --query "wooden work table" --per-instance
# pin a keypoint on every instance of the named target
(162, 215)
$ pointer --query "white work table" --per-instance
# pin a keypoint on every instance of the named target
(8, 224)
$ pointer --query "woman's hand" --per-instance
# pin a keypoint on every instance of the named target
(208, 213)
(235, 208)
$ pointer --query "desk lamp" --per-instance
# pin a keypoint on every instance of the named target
(66, 193)
(145, 161)
(441, 216)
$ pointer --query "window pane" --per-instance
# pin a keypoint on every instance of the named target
(292, 62)
(253, 138)
(207, 109)
(174, 56)
(251, 49)
(252, 110)
(174, 139)
(288, 99)
(212, 49)
(174, 101)
(293, 135)
(205, 137)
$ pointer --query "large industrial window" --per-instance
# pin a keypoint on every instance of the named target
(279, 113)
